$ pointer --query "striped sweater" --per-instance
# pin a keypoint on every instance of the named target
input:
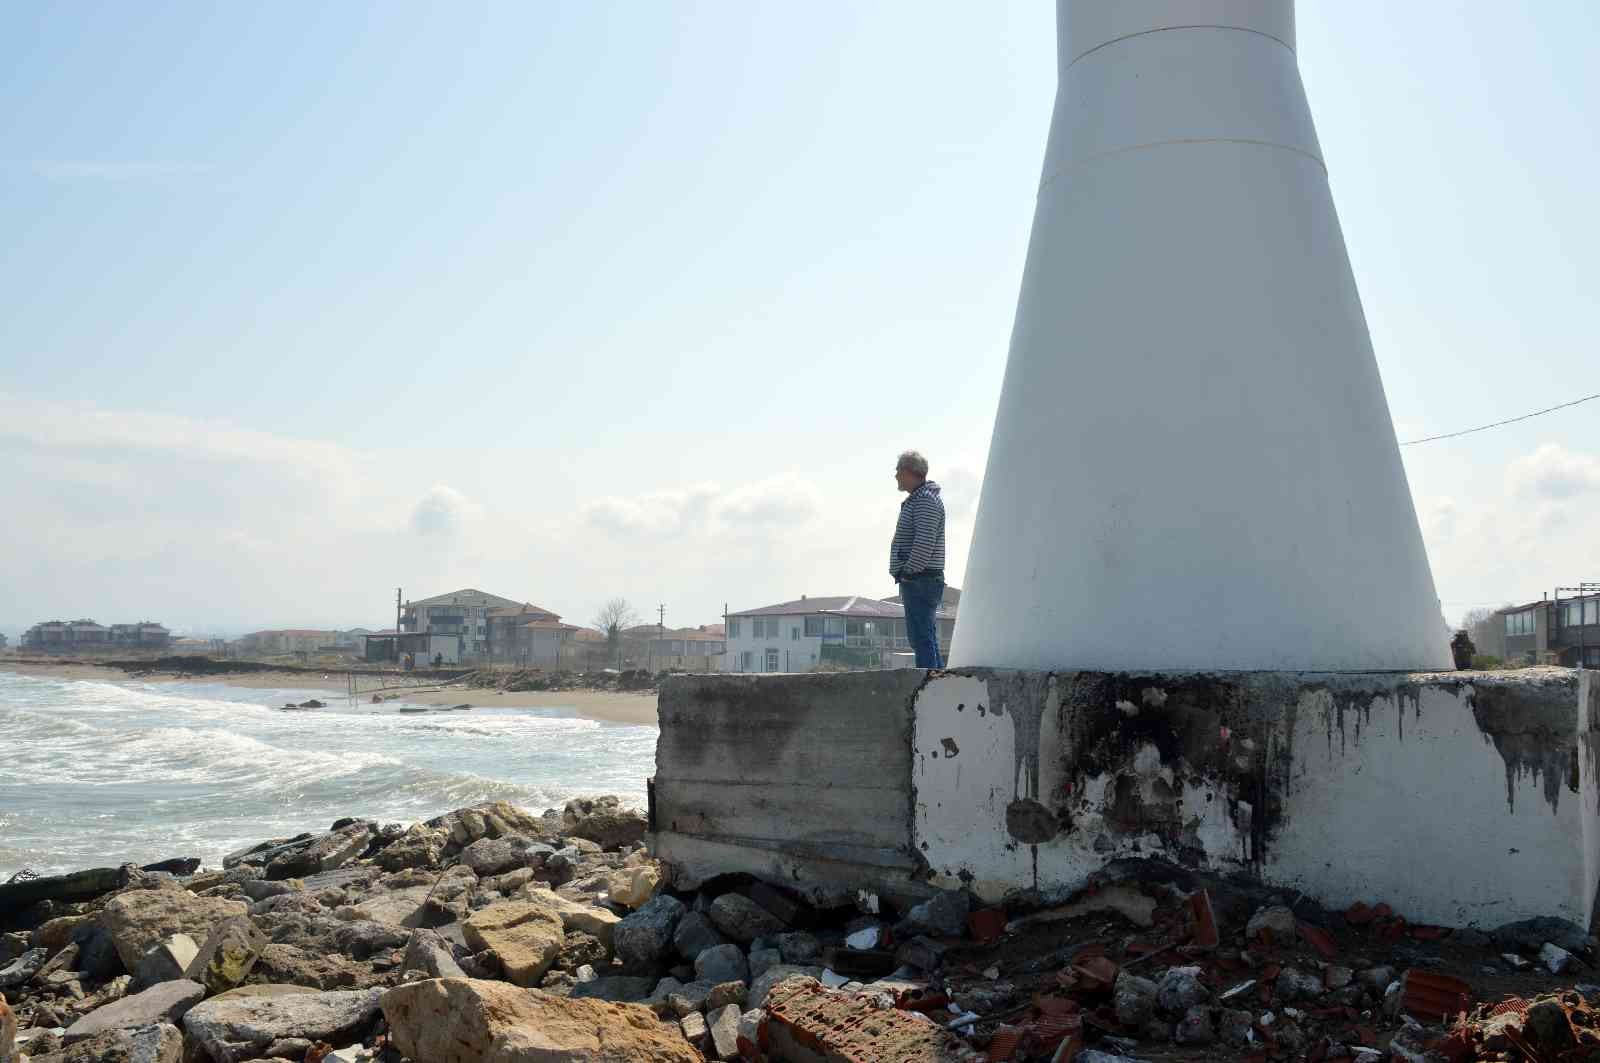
(919, 534)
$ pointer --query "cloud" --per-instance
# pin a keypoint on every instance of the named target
(90, 170)
(1439, 518)
(1553, 473)
(770, 503)
(706, 509)
(132, 513)
(443, 512)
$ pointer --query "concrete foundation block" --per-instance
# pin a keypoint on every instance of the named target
(1460, 798)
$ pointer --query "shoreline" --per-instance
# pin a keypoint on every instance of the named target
(636, 709)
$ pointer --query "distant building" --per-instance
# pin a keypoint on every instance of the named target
(526, 634)
(690, 649)
(463, 613)
(77, 635)
(423, 647)
(851, 631)
(1564, 631)
(287, 640)
(2, 642)
(200, 646)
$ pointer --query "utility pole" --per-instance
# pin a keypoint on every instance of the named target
(661, 615)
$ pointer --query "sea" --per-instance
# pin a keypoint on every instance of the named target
(101, 773)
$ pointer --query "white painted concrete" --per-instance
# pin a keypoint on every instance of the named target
(1418, 806)
(1193, 465)
(1399, 796)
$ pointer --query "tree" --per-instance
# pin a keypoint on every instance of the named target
(614, 618)
(1487, 629)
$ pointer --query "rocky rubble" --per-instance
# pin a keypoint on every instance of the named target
(493, 934)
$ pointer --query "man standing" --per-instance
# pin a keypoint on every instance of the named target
(916, 557)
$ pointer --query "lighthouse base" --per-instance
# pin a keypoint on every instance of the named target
(1460, 798)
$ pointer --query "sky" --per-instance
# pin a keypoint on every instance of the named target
(572, 300)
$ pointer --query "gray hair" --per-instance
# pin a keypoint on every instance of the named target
(913, 462)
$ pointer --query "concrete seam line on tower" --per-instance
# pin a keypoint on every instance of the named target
(1179, 140)
(1169, 29)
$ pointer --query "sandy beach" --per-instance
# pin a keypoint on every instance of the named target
(638, 709)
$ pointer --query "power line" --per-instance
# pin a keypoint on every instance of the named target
(1497, 424)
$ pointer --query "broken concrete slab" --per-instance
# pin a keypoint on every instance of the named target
(449, 1020)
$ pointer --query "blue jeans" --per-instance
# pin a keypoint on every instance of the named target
(921, 595)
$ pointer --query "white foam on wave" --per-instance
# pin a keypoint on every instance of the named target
(141, 771)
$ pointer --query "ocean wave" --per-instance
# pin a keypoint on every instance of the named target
(96, 771)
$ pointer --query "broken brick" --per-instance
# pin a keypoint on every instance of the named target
(986, 925)
(1206, 935)
(1319, 939)
(806, 1021)
(1427, 995)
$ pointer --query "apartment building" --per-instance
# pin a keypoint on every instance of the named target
(1564, 631)
(844, 631)
(76, 635)
(463, 613)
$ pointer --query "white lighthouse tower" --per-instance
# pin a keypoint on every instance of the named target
(1193, 465)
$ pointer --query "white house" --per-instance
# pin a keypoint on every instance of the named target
(849, 631)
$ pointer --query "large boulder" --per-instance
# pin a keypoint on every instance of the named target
(316, 969)
(414, 898)
(330, 851)
(159, 1043)
(695, 934)
(452, 1020)
(241, 1024)
(725, 963)
(526, 937)
(632, 887)
(226, 958)
(167, 1002)
(138, 919)
(497, 820)
(418, 847)
(743, 920)
(604, 821)
(430, 953)
(165, 960)
(643, 939)
(494, 856)
(589, 919)
(22, 969)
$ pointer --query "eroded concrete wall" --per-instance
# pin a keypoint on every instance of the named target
(799, 779)
(1459, 798)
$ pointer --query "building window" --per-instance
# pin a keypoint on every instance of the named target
(1520, 623)
(794, 634)
(1591, 611)
(855, 627)
(772, 659)
(733, 629)
(813, 627)
(747, 661)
